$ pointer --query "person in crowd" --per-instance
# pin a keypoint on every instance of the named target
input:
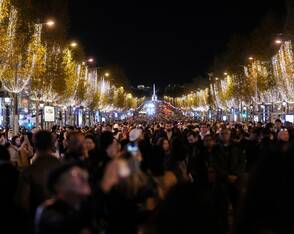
(234, 166)
(90, 145)
(268, 200)
(177, 162)
(194, 148)
(278, 125)
(96, 163)
(164, 145)
(204, 129)
(75, 148)
(12, 218)
(65, 213)
(169, 131)
(20, 151)
(130, 194)
(33, 183)
(283, 135)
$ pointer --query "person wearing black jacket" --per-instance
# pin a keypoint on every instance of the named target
(234, 166)
(66, 213)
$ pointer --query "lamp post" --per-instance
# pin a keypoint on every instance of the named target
(7, 103)
(65, 115)
(42, 114)
(285, 108)
(252, 112)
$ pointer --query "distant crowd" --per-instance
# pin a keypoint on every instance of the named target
(149, 178)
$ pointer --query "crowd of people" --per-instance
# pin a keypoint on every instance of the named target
(151, 178)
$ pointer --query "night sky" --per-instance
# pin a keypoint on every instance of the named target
(164, 44)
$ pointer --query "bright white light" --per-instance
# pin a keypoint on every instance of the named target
(50, 23)
(73, 44)
(150, 108)
(7, 100)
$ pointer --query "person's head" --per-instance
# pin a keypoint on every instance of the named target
(109, 145)
(278, 124)
(89, 143)
(192, 137)
(283, 135)
(209, 141)
(136, 135)
(226, 136)
(69, 182)
(168, 127)
(4, 154)
(164, 144)
(75, 142)
(203, 129)
(16, 141)
(107, 128)
(2, 139)
(43, 141)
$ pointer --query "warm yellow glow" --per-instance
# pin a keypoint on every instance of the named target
(50, 23)
(73, 44)
(216, 78)
(225, 73)
(278, 41)
(90, 60)
(250, 58)
(107, 74)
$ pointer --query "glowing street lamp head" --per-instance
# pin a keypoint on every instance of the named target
(251, 58)
(90, 60)
(278, 41)
(216, 78)
(50, 23)
(107, 74)
(225, 73)
(73, 44)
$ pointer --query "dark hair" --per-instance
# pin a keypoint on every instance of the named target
(278, 121)
(43, 141)
(55, 175)
(4, 153)
(269, 197)
(106, 139)
(192, 133)
(160, 141)
(13, 140)
(91, 137)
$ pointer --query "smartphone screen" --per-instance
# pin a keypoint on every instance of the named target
(132, 148)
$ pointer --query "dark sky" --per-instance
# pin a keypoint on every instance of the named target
(163, 44)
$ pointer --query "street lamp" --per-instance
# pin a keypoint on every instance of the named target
(90, 60)
(250, 58)
(42, 113)
(107, 74)
(65, 115)
(7, 102)
(50, 23)
(278, 41)
(225, 73)
(73, 44)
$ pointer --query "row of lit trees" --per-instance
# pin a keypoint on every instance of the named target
(257, 82)
(49, 71)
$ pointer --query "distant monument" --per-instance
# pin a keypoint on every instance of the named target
(154, 96)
